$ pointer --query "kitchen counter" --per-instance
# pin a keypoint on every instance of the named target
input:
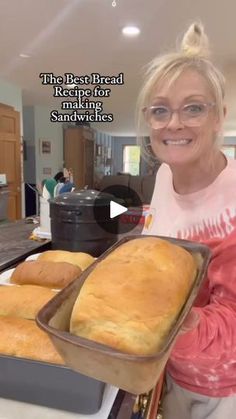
(15, 244)
(121, 409)
(11, 409)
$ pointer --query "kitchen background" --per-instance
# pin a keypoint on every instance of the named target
(82, 37)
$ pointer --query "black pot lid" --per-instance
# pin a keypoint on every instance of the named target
(85, 197)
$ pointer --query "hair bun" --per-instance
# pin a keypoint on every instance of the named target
(195, 42)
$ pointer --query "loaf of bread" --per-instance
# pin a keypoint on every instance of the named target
(23, 338)
(48, 274)
(83, 260)
(132, 298)
(23, 300)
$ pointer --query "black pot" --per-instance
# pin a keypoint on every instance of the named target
(80, 221)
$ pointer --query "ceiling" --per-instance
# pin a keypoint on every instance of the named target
(84, 37)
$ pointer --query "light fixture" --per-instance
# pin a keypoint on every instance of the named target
(131, 31)
(114, 3)
(24, 55)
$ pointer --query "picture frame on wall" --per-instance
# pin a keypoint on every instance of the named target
(45, 146)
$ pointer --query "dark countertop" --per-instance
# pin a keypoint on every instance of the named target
(15, 244)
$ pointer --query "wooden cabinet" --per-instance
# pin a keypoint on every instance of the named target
(79, 155)
(10, 157)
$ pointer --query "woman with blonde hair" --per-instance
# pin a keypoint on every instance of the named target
(182, 103)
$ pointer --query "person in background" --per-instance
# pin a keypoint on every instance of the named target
(66, 183)
(182, 103)
(59, 177)
(56, 183)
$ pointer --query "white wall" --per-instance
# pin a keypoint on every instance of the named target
(44, 129)
(12, 95)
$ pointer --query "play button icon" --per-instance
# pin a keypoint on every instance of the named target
(116, 209)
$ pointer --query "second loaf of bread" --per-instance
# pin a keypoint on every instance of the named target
(23, 338)
(132, 297)
(23, 300)
(83, 260)
(48, 274)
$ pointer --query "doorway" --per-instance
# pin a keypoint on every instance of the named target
(10, 158)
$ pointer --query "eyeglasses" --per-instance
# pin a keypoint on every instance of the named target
(190, 115)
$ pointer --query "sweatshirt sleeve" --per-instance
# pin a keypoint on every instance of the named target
(214, 338)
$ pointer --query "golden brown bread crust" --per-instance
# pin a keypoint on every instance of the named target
(132, 298)
(83, 260)
(48, 274)
(23, 300)
(23, 338)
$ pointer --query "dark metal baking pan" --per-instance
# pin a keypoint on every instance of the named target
(49, 385)
(133, 373)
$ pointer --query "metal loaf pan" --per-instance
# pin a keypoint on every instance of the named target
(133, 373)
(49, 385)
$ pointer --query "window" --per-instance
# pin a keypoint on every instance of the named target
(131, 159)
(229, 150)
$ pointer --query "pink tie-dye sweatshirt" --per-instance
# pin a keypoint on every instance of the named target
(204, 359)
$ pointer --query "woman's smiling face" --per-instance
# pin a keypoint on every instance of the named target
(176, 143)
